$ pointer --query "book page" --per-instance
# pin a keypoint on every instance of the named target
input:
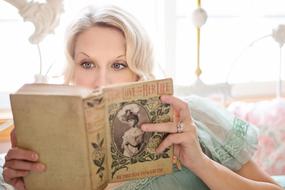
(54, 89)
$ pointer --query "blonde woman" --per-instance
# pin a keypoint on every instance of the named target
(107, 46)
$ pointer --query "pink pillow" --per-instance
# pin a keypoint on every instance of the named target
(269, 117)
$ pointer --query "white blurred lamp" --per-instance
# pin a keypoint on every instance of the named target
(217, 91)
(278, 35)
(199, 18)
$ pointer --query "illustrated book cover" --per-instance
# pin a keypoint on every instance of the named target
(88, 138)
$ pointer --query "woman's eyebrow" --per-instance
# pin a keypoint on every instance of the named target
(77, 55)
(83, 54)
(120, 56)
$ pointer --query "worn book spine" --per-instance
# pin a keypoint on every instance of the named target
(94, 108)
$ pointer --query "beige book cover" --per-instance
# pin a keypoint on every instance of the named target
(88, 138)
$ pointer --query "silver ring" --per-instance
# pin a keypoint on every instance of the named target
(180, 127)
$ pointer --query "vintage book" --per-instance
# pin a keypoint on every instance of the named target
(88, 138)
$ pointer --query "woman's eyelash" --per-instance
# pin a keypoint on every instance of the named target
(87, 64)
(118, 65)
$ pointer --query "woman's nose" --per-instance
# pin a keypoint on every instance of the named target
(102, 79)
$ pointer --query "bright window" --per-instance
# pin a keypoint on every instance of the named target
(226, 53)
(20, 59)
(225, 38)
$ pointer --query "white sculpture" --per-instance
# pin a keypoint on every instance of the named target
(44, 16)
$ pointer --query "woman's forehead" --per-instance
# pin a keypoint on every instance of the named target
(101, 40)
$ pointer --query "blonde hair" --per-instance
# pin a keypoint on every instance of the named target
(139, 52)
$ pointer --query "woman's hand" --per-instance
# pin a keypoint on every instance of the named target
(19, 163)
(185, 140)
(187, 149)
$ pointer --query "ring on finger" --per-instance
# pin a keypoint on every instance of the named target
(180, 127)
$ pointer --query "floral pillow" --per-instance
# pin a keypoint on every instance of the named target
(269, 117)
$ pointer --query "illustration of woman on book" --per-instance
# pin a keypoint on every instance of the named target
(108, 46)
(133, 137)
(132, 141)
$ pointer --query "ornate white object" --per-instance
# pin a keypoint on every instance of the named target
(44, 16)
(278, 34)
(199, 17)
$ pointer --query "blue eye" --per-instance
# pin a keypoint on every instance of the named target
(87, 65)
(119, 66)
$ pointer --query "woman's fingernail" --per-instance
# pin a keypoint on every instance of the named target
(35, 156)
(41, 167)
(143, 127)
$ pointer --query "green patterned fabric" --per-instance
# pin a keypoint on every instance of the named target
(227, 139)
(223, 137)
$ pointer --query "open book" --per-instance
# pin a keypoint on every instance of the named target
(88, 138)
